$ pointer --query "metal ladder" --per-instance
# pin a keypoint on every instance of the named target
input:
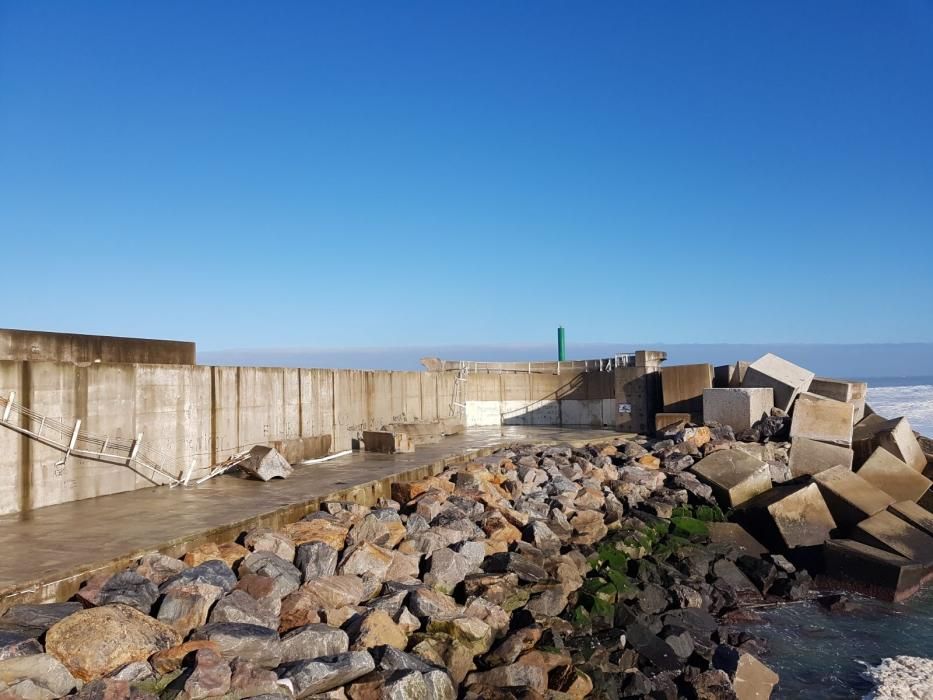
(458, 399)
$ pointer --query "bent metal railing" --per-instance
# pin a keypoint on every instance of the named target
(145, 460)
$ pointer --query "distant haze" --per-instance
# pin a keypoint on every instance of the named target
(844, 360)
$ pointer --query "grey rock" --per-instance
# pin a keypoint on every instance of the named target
(287, 578)
(133, 672)
(316, 559)
(405, 686)
(320, 675)
(312, 642)
(213, 572)
(129, 588)
(240, 606)
(34, 619)
(14, 644)
(158, 567)
(267, 540)
(41, 670)
(440, 686)
(448, 568)
(259, 645)
(391, 659)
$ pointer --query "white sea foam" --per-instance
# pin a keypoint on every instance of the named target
(902, 678)
(915, 402)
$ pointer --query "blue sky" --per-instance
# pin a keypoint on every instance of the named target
(304, 174)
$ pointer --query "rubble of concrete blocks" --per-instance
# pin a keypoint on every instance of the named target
(855, 503)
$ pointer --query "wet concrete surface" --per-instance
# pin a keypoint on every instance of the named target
(49, 552)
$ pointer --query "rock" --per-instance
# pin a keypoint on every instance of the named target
(319, 530)
(13, 644)
(405, 686)
(469, 633)
(381, 527)
(308, 677)
(111, 689)
(588, 527)
(376, 628)
(264, 539)
(240, 606)
(287, 578)
(48, 677)
(440, 686)
(129, 588)
(313, 641)
(158, 567)
(369, 559)
(427, 603)
(514, 645)
(325, 592)
(266, 463)
(448, 568)
(256, 644)
(249, 681)
(133, 672)
(512, 676)
(713, 685)
(185, 607)
(229, 552)
(316, 559)
(92, 643)
(750, 677)
(169, 660)
(210, 677)
(212, 572)
(32, 620)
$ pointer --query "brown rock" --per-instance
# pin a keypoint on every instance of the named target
(319, 530)
(172, 659)
(210, 677)
(303, 607)
(377, 628)
(187, 606)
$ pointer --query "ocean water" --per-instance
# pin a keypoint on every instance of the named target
(823, 655)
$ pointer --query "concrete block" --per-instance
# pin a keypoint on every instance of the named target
(722, 376)
(739, 408)
(682, 388)
(737, 536)
(850, 498)
(894, 477)
(869, 570)
(734, 476)
(887, 531)
(895, 435)
(738, 374)
(387, 442)
(785, 378)
(915, 514)
(812, 457)
(664, 420)
(842, 390)
(819, 418)
(788, 516)
(265, 463)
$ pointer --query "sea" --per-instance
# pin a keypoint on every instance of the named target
(822, 655)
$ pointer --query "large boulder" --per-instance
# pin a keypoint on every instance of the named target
(265, 463)
(44, 676)
(253, 643)
(312, 676)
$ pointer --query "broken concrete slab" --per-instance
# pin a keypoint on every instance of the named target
(859, 567)
(665, 420)
(894, 477)
(887, 531)
(850, 498)
(842, 390)
(265, 463)
(895, 435)
(387, 442)
(739, 408)
(734, 475)
(785, 378)
(819, 418)
(915, 514)
(788, 516)
(682, 388)
(809, 456)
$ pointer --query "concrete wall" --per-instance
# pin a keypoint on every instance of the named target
(40, 346)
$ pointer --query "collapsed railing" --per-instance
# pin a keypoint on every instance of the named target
(142, 458)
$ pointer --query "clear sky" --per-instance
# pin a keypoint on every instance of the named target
(275, 174)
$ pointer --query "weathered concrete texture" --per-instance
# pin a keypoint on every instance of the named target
(734, 475)
(887, 531)
(891, 475)
(842, 390)
(789, 516)
(876, 572)
(739, 408)
(915, 514)
(682, 388)
(738, 374)
(819, 418)
(735, 535)
(895, 435)
(665, 420)
(387, 442)
(812, 457)
(785, 378)
(850, 498)
(36, 346)
(637, 397)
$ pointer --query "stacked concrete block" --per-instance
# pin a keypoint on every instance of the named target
(819, 418)
(682, 388)
(739, 408)
(916, 515)
(894, 477)
(785, 378)
(896, 436)
(850, 498)
(734, 476)
(738, 374)
(874, 571)
(887, 531)
(789, 516)
(809, 456)
(842, 390)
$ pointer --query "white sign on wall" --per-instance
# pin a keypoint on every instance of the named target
(625, 408)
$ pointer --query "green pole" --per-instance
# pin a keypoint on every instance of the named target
(561, 347)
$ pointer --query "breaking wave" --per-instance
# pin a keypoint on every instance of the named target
(902, 678)
(915, 402)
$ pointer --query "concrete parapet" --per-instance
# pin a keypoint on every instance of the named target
(812, 456)
(788, 516)
(887, 531)
(739, 408)
(734, 475)
(819, 418)
(842, 390)
(785, 378)
(894, 477)
(38, 346)
(895, 435)
(850, 498)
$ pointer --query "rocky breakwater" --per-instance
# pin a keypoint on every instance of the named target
(538, 572)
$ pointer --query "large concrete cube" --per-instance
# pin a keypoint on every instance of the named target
(887, 531)
(876, 572)
(895, 435)
(916, 515)
(739, 408)
(682, 388)
(850, 498)
(734, 476)
(788, 516)
(812, 456)
(819, 418)
(893, 476)
(842, 390)
(785, 378)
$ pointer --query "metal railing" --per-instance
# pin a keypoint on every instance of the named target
(606, 364)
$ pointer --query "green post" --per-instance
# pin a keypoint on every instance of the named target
(561, 347)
